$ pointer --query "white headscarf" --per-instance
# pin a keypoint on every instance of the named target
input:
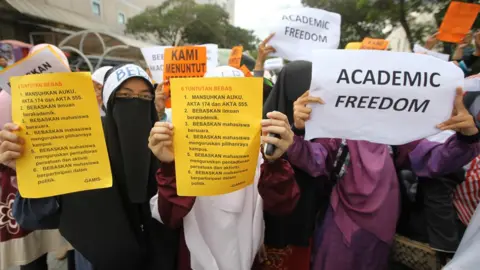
(99, 75)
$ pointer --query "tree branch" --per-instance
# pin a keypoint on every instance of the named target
(404, 23)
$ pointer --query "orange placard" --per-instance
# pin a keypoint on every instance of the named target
(183, 62)
(235, 57)
(374, 44)
(458, 21)
(246, 71)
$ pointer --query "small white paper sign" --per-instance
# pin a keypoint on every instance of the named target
(472, 85)
(273, 64)
(42, 61)
(212, 56)
(154, 58)
(299, 31)
(379, 96)
(419, 49)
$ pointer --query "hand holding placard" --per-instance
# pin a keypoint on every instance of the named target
(301, 112)
(461, 120)
(161, 141)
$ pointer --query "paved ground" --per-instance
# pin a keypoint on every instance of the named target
(52, 263)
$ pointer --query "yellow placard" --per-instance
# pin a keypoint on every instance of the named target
(65, 148)
(217, 133)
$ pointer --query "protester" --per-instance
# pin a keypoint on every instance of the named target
(288, 239)
(18, 246)
(98, 77)
(225, 231)
(364, 206)
(123, 234)
(470, 63)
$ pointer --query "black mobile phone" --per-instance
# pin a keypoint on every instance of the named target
(269, 149)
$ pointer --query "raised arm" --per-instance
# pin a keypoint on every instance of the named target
(278, 187)
(430, 159)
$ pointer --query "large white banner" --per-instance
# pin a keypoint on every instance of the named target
(45, 60)
(380, 96)
(299, 31)
(154, 58)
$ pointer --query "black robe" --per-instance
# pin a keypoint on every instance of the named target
(113, 228)
(296, 228)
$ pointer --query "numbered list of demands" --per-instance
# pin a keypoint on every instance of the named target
(219, 135)
(51, 120)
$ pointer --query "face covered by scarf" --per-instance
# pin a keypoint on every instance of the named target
(128, 97)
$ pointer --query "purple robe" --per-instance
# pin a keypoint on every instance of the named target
(366, 200)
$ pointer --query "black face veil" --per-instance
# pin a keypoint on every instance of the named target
(104, 225)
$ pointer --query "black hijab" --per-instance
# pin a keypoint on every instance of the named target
(296, 228)
(113, 227)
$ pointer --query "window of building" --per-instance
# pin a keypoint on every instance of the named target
(121, 18)
(96, 7)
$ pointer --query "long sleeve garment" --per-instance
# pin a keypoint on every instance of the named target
(226, 231)
(367, 196)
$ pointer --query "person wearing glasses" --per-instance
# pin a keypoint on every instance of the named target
(113, 228)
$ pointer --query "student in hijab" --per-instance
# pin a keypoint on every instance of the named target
(360, 223)
(18, 246)
(288, 238)
(98, 77)
(113, 228)
(225, 231)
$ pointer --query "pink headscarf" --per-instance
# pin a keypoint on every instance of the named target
(54, 48)
(5, 108)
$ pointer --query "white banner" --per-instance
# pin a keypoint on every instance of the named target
(42, 61)
(419, 49)
(273, 64)
(154, 58)
(380, 96)
(299, 31)
(212, 56)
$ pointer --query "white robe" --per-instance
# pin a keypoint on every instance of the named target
(224, 232)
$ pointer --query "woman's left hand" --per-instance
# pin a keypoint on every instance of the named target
(461, 120)
(277, 123)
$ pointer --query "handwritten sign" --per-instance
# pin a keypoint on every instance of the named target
(457, 21)
(65, 148)
(380, 96)
(235, 58)
(42, 61)
(183, 62)
(154, 56)
(217, 133)
(374, 44)
(299, 31)
(419, 49)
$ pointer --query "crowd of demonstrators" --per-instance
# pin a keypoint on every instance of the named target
(321, 204)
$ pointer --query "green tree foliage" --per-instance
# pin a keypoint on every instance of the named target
(178, 22)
